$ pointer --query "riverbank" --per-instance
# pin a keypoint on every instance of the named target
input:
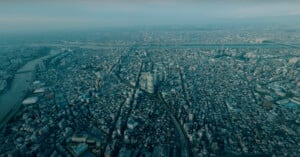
(10, 101)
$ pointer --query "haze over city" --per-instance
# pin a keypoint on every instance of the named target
(52, 15)
(160, 78)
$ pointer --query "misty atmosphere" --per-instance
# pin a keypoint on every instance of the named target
(137, 78)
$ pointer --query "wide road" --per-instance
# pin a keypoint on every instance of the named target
(184, 143)
(11, 100)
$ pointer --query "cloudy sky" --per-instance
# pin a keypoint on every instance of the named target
(63, 14)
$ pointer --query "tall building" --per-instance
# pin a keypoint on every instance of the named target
(148, 82)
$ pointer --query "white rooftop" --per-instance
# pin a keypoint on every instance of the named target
(39, 90)
(30, 100)
(36, 82)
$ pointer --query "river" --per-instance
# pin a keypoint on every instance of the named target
(10, 101)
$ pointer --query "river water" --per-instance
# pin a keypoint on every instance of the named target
(12, 98)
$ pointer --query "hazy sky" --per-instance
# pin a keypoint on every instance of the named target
(62, 14)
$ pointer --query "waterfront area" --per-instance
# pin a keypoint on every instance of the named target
(91, 98)
(20, 84)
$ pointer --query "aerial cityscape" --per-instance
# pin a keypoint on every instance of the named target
(166, 99)
(155, 91)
